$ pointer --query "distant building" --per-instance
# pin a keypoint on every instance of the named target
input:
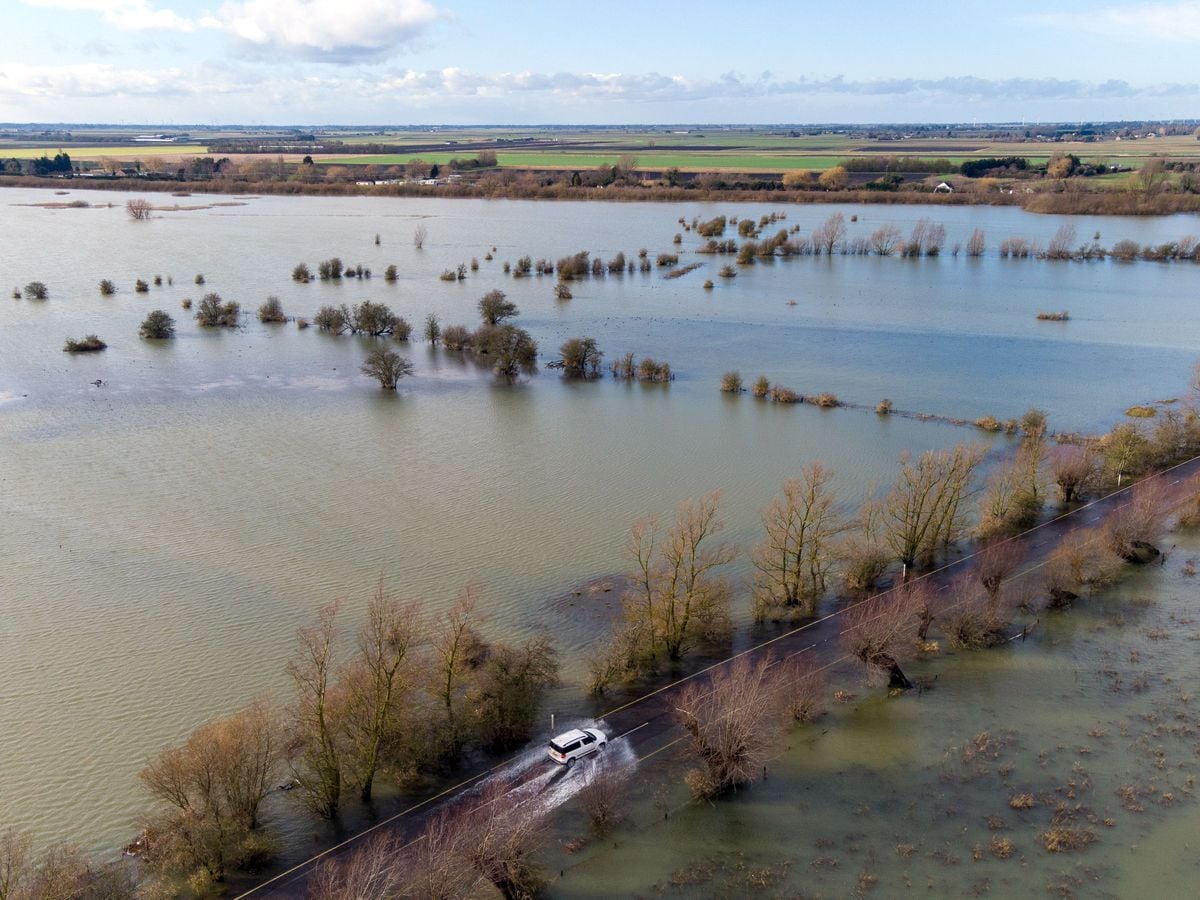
(943, 188)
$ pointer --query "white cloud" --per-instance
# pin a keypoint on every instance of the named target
(1175, 22)
(127, 15)
(93, 80)
(345, 31)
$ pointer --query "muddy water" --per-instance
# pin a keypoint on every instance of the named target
(1094, 716)
(163, 533)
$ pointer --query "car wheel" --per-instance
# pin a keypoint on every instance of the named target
(570, 762)
(601, 747)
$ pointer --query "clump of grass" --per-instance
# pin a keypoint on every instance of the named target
(199, 279)
(390, 273)
(826, 401)
(187, 303)
(731, 382)
(1141, 412)
(1022, 801)
(302, 323)
(781, 394)
(988, 423)
(158, 281)
(1066, 838)
(89, 344)
(107, 288)
(1001, 847)
(761, 387)
(666, 260)
(1063, 316)
(448, 275)
(141, 287)
(883, 407)
(708, 285)
(727, 271)
(562, 292)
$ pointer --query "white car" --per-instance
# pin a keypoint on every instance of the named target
(571, 745)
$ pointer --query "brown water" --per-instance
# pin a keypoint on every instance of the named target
(163, 534)
(905, 796)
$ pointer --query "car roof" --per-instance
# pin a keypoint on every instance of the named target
(567, 736)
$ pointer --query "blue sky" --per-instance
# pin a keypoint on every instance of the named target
(467, 61)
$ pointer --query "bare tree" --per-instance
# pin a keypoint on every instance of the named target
(692, 600)
(729, 722)
(796, 554)
(377, 869)
(419, 235)
(976, 244)
(602, 794)
(224, 770)
(16, 863)
(877, 632)
(581, 358)
(885, 239)
(456, 647)
(387, 367)
(138, 208)
(803, 690)
(1071, 467)
(378, 682)
(996, 562)
(504, 835)
(1135, 526)
(511, 684)
(317, 736)
(831, 233)
(495, 307)
(863, 554)
(924, 511)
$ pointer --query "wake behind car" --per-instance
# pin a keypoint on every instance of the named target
(571, 745)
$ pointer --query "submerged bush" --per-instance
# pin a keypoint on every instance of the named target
(216, 313)
(158, 325)
(36, 290)
(581, 357)
(334, 319)
(731, 382)
(761, 388)
(107, 288)
(301, 273)
(271, 311)
(330, 269)
(89, 344)
(401, 329)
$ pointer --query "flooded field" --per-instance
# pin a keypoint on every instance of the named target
(165, 530)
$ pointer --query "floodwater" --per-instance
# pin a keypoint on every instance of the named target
(164, 532)
(1094, 717)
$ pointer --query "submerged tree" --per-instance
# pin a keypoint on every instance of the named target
(378, 683)
(729, 722)
(316, 719)
(581, 358)
(796, 554)
(924, 512)
(387, 367)
(214, 785)
(495, 307)
(158, 325)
